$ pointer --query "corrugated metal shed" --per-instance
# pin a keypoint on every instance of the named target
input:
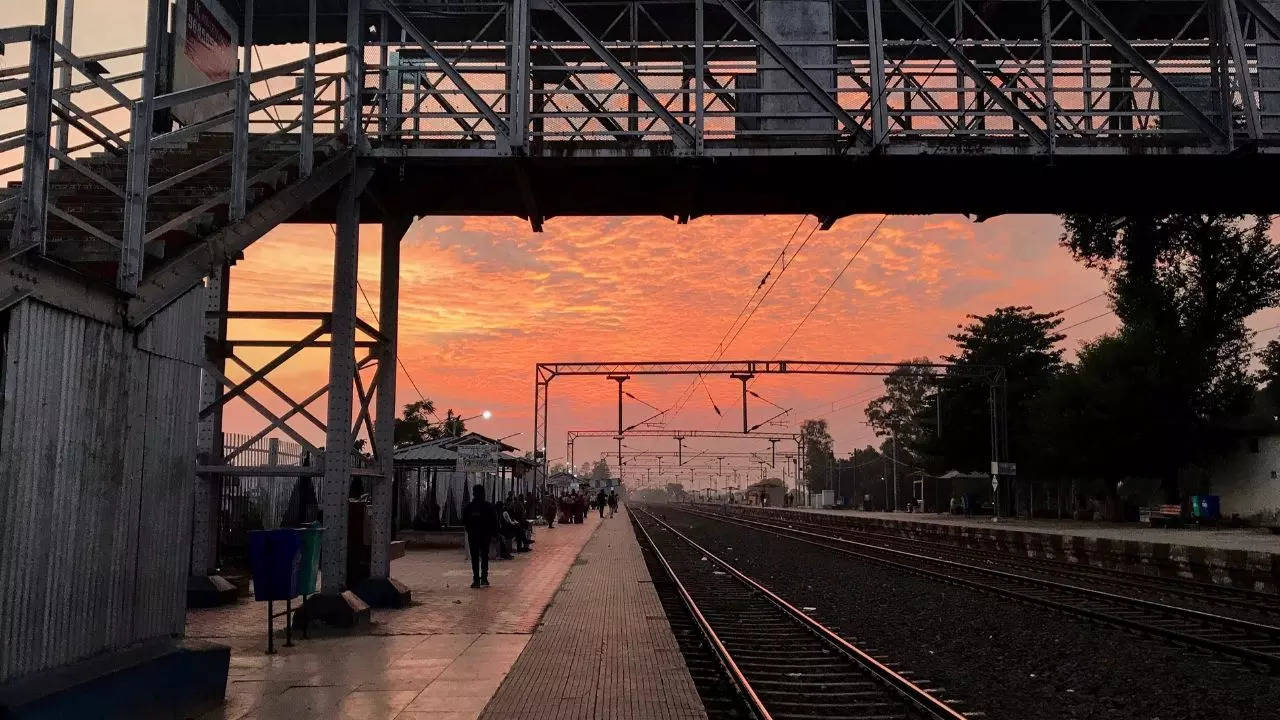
(97, 440)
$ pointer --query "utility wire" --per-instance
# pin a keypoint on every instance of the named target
(722, 347)
(834, 280)
(1083, 302)
(1082, 322)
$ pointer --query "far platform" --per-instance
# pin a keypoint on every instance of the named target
(1247, 539)
(1247, 558)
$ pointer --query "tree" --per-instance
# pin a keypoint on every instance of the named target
(452, 426)
(1269, 375)
(1183, 285)
(600, 471)
(1023, 342)
(898, 413)
(817, 452)
(414, 427)
(1110, 414)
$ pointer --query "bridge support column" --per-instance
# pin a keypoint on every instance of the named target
(381, 590)
(336, 604)
(205, 587)
(797, 21)
(1269, 73)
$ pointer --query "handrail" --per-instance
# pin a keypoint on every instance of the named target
(98, 80)
(17, 34)
(113, 79)
(98, 57)
(187, 95)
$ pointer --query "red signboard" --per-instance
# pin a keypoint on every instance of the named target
(208, 44)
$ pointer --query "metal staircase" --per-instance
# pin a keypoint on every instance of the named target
(117, 208)
(89, 216)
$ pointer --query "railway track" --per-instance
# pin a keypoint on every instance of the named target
(1251, 642)
(1255, 603)
(783, 663)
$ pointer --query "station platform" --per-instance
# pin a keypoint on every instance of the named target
(604, 649)
(1247, 557)
(441, 658)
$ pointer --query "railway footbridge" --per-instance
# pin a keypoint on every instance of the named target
(135, 178)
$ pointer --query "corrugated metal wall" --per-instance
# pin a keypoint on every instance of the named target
(97, 448)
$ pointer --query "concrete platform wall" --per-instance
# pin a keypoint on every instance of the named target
(1237, 568)
(97, 452)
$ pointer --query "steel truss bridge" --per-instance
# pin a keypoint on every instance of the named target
(131, 192)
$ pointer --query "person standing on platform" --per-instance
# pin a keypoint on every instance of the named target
(480, 519)
(516, 509)
(549, 508)
(613, 503)
(601, 501)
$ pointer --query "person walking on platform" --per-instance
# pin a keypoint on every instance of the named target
(601, 501)
(613, 503)
(481, 522)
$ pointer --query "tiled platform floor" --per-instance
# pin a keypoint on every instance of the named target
(440, 659)
(605, 650)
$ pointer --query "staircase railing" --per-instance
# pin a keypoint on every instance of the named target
(49, 112)
(138, 125)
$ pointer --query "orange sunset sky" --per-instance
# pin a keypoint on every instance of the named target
(484, 299)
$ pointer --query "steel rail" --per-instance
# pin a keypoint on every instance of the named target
(917, 697)
(1271, 661)
(722, 653)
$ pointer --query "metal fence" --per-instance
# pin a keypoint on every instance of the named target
(257, 503)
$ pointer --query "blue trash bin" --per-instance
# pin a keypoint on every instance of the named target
(1212, 506)
(274, 557)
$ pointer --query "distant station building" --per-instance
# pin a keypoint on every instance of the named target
(771, 492)
(562, 482)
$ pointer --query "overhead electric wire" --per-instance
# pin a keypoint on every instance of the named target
(834, 280)
(723, 346)
(1083, 302)
(633, 397)
(1089, 320)
(758, 396)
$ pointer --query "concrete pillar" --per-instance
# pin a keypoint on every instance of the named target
(1269, 73)
(381, 590)
(1119, 98)
(790, 21)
